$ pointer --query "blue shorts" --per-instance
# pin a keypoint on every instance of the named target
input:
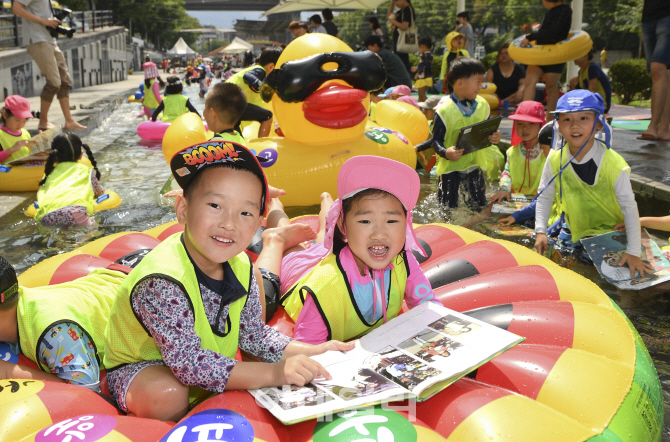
(656, 36)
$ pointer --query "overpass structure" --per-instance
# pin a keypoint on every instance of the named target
(230, 5)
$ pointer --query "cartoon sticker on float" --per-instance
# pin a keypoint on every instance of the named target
(18, 390)
(370, 424)
(212, 425)
(382, 129)
(270, 156)
(7, 355)
(401, 136)
(377, 136)
(88, 428)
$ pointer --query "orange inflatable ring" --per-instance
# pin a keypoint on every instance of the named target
(582, 373)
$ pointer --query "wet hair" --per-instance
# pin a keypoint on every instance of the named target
(375, 22)
(327, 14)
(426, 41)
(464, 14)
(348, 204)
(174, 86)
(270, 55)
(316, 18)
(9, 285)
(464, 68)
(67, 148)
(193, 185)
(229, 102)
(373, 40)
(161, 83)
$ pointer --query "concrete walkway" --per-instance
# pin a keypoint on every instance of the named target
(93, 104)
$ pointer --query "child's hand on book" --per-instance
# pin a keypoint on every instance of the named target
(636, 264)
(494, 138)
(508, 220)
(336, 346)
(621, 227)
(297, 370)
(501, 195)
(453, 154)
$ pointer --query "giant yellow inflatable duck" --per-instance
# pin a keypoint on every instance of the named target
(319, 93)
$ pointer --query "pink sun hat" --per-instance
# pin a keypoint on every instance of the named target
(409, 100)
(370, 172)
(18, 106)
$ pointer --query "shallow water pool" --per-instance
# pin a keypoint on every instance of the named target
(137, 173)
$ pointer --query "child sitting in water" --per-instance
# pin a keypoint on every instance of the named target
(357, 278)
(181, 314)
(174, 104)
(153, 83)
(59, 327)
(594, 189)
(525, 160)
(13, 135)
(463, 108)
(223, 108)
(69, 189)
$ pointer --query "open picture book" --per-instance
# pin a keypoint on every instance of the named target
(38, 147)
(517, 202)
(606, 251)
(414, 355)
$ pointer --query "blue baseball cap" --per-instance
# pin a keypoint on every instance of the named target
(580, 100)
(386, 93)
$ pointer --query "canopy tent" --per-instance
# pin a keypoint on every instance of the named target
(318, 5)
(181, 48)
(237, 46)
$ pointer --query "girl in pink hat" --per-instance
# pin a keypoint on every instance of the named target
(153, 83)
(359, 276)
(525, 160)
(13, 135)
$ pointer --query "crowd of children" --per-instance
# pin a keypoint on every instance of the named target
(167, 330)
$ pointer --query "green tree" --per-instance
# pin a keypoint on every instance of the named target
(208, 46)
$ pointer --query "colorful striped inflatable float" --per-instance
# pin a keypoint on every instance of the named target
(583, 372)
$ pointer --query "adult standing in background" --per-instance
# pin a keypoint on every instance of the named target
(331, 27)
(37, 15)
(402, 20)
(464, 27)
(656, 38)
(396, 74)
(375, 28)
(603, 58)
(317, 25)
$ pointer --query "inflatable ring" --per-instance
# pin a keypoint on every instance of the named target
(583, 371)
(136, 97)
(106, 201)
(402, 117)
(25, 177)
(577, 44)
(488, 88)
(491, 99)
(154, 130)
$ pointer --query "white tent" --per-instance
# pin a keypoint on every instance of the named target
(237, 46)
(317, 5)
(181, 48)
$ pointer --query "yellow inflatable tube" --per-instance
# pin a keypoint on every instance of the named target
(401, 117)
(577, 44)
(109, 200)
(25, 177)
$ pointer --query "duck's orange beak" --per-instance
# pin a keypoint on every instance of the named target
(335, 106)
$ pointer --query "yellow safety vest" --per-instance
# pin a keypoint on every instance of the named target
(127, 340)
(589, 210)
(252, 97)
(7, 141)
(150, 100)
(174, 106)
(530, 177)
(488, 159)
(327, 284)
(69, 184)
(584, 78)
(86, 301)
(233, 136)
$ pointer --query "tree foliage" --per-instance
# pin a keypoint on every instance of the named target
(158, 20)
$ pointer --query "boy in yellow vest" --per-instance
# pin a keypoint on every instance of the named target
(250, 80)
(181, 314)
(224, 106)
(174, 104)
(594, 190)
(59, 327)
(463, 108)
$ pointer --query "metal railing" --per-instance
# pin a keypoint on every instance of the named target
(11, 29)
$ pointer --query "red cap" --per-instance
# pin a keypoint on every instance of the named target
(18, 106)
(530, 111)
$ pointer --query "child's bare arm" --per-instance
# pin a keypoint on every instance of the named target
(15, 371)
(656, 222)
